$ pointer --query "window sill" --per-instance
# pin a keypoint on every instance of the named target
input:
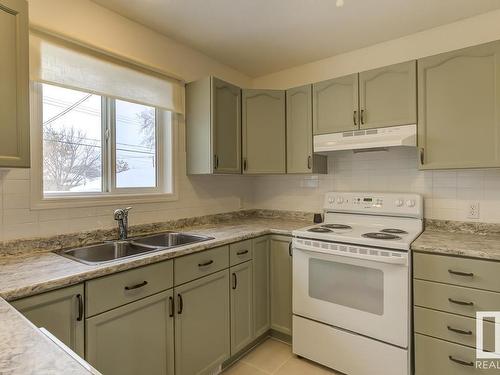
(100, 200)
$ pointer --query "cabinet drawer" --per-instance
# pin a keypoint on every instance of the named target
(115, 290)
(435, 357)
(454, 299)
(240, 252)
(200, 264)
(473, 273)
(454, 328)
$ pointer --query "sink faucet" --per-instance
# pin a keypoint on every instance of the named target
(121, 215)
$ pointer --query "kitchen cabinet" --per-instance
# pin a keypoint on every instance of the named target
(213, 127)
(299, 141)
(335, 105)
(388, 96)
(242, 332)
(14, 89)
(264, 130)
(459, 108)
(281, 284)
(261, 286)
(137, 338)
(60, 312)
(202, 324)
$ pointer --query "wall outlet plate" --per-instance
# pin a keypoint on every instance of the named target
(473, 210)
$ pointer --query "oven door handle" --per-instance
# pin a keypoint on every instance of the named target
(403, 261)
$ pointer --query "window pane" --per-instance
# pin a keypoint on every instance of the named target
(135, 145)
(72, 148)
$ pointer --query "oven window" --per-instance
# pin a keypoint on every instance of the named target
(357, 287)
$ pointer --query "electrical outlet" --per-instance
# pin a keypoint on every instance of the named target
(473, 210)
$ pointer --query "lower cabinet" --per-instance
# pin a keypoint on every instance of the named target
(202, 340)
(60, 312)
(137, 338)
(261, 289)
(281, 284)
(242, 332)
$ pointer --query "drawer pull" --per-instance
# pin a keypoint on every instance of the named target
(205, 264)
(461, 331)
(463, 303)
(460, 362)
(242, 252)
(140, 285)
(468, 274)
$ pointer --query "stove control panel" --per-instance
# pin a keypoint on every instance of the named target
(398, 204)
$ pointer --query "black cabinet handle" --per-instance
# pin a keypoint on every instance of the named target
(290, 249)
(79, 298)
(469, 274)
(170, 307)
(461, 331)
(354, 117)
(460, 362)
(140, 285)
(235, 281)
(309, 162)
(243, 252)
(463, 303)
(362, 116)
(205, 264)
(245, 164)
(216, 162)
(181, 304)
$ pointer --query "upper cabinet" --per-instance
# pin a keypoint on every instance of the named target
(299, 142)
(335, 105)
(14, 81)
(263, 113)
(213, 127)
(388, 96)
(459, 108)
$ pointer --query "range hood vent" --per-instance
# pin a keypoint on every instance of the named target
(405, 135)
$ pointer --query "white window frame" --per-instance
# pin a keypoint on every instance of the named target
(166, 160)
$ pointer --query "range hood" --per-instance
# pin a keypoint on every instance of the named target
(405, 135)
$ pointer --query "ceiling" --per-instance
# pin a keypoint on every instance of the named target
(258, 37)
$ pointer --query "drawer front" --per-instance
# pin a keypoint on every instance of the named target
(200, 264)
(454, 299)
(432, 357)
(111, 291)
(454, 328)
(240, 252)
(473, 273)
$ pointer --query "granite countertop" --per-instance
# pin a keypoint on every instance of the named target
(24, 349)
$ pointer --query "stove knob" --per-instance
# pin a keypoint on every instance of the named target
(398, 202)
(410, 203)
(340, 200)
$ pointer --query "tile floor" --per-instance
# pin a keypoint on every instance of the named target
(274, 357)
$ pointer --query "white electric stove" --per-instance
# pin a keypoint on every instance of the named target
(351, 283)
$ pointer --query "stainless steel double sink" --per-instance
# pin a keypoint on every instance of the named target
(115, 250)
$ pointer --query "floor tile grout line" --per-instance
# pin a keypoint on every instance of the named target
(279, 368)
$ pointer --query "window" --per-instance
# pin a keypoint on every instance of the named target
(94, 145)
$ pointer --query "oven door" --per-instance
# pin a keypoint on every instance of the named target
(359, 289)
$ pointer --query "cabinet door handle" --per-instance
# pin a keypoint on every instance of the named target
(422, 158)
(245, 164)
(181, 304)
(205, 264)
(290, 249)
(309, 162)
(362, 116)
(461, 331)
(235, 280)
(354, 118)
(243, 252)
(170, 307)
(216, 162)
(79, 298)
(463, 303)
(469, 274)
(140, 285)
(461, 362)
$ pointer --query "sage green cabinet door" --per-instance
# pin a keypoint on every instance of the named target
(202, 340)
(459, 108)
(335, 105)
(226, 120)
(299, 152)
(388, 96)
(241, 306)
(281, 284)
(58, 311)
(261, 288)
(263, 131)
(137, 338)
(14, 95)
